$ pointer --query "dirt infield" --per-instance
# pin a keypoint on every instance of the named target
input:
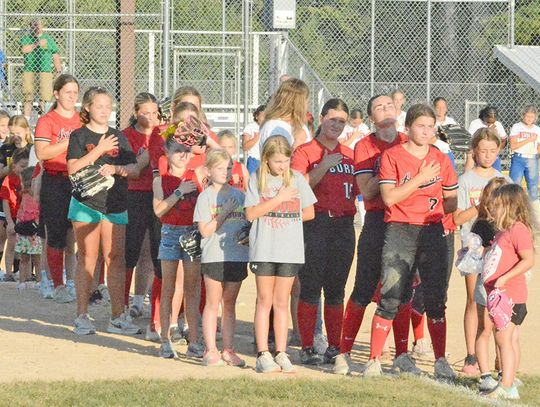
(37, 342)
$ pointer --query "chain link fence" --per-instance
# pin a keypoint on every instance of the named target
(351, 49)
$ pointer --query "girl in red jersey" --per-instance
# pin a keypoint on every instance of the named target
(53, 131)
(10, 192)
(418, 185)
(143, 229)
(239, 176)
(277, 201)
(511, 255)
(329, 238)
(175, 196)
(99, 217)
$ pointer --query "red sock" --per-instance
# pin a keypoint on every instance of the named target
(127, 287)
(102, 273)
(401, 328)
(333, 319)
(380, 328)
(437, 331)
(202, 302)
(155, 299)
(417, 322)
(354, 314)
(55, 260)
(307, 319)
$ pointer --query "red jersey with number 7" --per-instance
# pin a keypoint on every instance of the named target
(425, 205)
(336, 192)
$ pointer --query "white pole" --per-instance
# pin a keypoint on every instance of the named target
(255, 75)
(151, 62)
(166, 47)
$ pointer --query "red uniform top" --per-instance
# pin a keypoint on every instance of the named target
(336, 192)
(11, 193)
(158, 159)
(237, 176)
(139, 144)
(425, 205)
(367, 155)
(448, 224)
(503, 257)
(53, 128)
(181, 214)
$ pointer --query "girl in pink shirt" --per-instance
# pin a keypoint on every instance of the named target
(511, 255)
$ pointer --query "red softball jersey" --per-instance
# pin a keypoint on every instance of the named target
(53, 128)
(337, 190)
(181, 214)
(367, 155)
(425, 205)
(139, 143)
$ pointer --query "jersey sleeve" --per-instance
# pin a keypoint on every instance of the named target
(363, 162)
(43, 130)
(450, 182)
(300, 161)
(307, 197)
(514, 131)
(387, 170)
(52, 45)
(4, 190)
(27, 40)
(253, 197)
(521, 237)
(155, 149)
(202, 211)
(463, 199)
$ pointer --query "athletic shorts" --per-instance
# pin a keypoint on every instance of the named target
(520, 312)
(229, 271)
(261, 269)
(79, 212)
(169, 247)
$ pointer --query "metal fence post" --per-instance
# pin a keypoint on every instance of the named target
(372, 51)
(512, 17)
(166, 44)
(245, 41)
(428, 53)
(71, 36)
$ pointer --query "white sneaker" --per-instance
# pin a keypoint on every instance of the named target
(487, 384)
(167, 351)
(152, 336)
(373, 368)
(123, 325)
(102, 288)
(320, 344)
(61, 295)
(443, 370)
(135, 311)
(21, 287)
(405, 364)
(47, 289)
(342, 364)
(423, 350)
(70, 285)
(83, 325)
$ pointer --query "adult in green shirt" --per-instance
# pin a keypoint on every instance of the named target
(40, 57)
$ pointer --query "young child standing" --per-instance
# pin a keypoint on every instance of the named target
(277, 201)
(510, 257)
(219, 214)
(27, 243)
(237, 173)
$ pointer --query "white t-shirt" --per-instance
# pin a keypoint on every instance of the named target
(32, 157)
(400, 124)
(279, 127)
(447, 120)
(479, 124)
(250, 130)
(442, 145)
(363, 129)
(521, 132)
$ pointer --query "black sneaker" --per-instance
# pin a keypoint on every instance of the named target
(308, 356)
(330, 354)
(95, 298)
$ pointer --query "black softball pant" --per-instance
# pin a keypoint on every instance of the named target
(406, 245)
(54, 197)
(329, 248)
(141, 218)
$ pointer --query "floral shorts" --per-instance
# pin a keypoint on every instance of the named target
(28, 244)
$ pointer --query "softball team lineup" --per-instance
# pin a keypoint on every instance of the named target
(167, 205)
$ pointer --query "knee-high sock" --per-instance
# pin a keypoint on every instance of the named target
(401, 328)
(307, 319)
(380, 328)
(55, 260)
(333, 320)
(354, 314)
(129, 277)
(437, 331)
(417, 322)
(155, 300)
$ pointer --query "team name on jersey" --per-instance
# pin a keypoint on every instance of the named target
(523, 135)
(340, 168)
(64, 134)
(426, 184)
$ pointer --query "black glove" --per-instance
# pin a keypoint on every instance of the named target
(242, 237)
(89, 182)
(191, 242)
(456, 136)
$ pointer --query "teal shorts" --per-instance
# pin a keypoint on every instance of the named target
(79, 212)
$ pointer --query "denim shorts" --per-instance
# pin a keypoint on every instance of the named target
(79, 212)
(169, 247)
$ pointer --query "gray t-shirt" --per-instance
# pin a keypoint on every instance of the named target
(278, 236)
(222, 246)
(470, 190)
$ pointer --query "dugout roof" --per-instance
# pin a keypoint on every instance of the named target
(523, 61)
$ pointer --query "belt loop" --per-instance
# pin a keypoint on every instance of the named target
(330, 213)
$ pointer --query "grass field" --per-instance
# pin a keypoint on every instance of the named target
(283, 390)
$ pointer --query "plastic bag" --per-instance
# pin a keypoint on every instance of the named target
(470, 259)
